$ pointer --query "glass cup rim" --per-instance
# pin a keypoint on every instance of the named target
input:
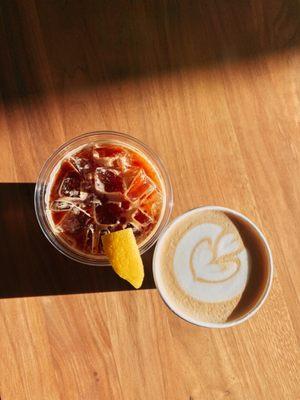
(257, 305)
(49, 166)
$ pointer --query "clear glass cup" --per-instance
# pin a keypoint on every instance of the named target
(99, 137)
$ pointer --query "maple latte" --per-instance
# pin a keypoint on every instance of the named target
(213, 266)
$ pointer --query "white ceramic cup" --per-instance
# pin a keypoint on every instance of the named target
(261, 241)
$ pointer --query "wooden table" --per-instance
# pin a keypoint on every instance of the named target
(213, 87)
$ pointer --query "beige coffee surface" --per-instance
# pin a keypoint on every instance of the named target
(197, 310)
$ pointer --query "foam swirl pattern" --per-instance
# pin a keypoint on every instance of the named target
(211, 264)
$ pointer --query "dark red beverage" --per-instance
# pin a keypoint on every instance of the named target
(103, 188)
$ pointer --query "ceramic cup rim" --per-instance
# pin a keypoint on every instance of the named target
(163, 293)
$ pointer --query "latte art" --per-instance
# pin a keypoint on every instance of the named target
(213, 267)
(209, 265)
(203, 266)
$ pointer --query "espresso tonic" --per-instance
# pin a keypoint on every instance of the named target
(101, 188)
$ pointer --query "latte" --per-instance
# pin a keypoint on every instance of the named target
(203, 266)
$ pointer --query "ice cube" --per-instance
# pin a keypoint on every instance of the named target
(126, 205)
(108, 214)
(82, 165)
(87, 182)
(73, 222)
(129, 175)
(70, 186)
(142, 217)
(91, 239)
(104, 156)
(106, 151)
(108, 180)
(141, 186)
(111, 156)
(61, 205)
(152, 204)
(83, 161)
(122, 162)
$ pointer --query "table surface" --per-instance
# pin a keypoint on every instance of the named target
(213, 88)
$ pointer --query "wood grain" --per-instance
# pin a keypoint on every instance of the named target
(214, 88)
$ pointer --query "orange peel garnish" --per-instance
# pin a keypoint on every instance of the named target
(122, 251)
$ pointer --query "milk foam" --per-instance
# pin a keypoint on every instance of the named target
(210, 265)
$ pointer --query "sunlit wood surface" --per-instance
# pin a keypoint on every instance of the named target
(214, 88)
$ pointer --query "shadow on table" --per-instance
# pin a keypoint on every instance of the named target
(58, 45)
(31, 266)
